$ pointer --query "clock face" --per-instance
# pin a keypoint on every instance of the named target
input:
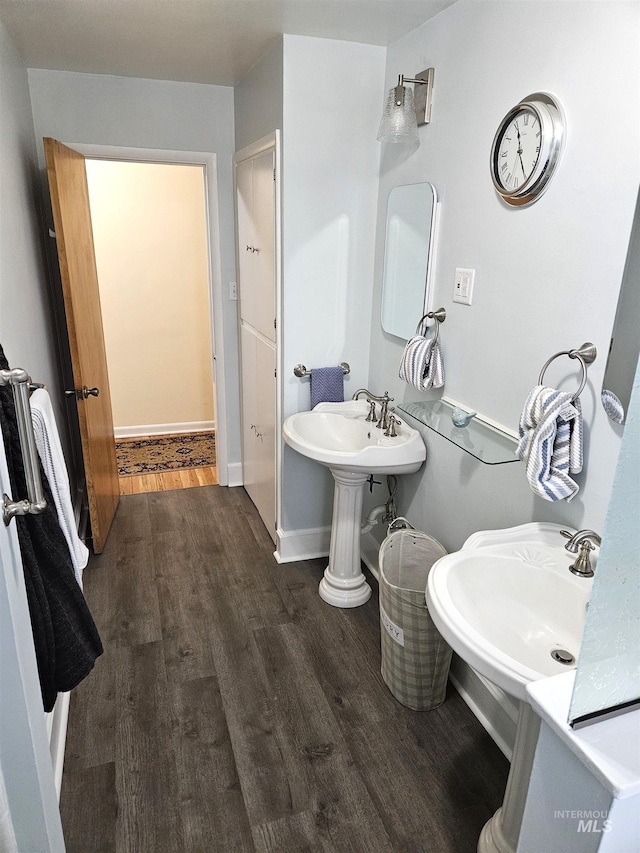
(526, 149)
(518, 149)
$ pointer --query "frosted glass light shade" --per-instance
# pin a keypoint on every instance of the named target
(399, 123)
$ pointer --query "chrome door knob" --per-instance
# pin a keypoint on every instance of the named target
(83, 393)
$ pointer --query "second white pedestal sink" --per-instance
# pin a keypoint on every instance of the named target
(509, 606)
(338, 436)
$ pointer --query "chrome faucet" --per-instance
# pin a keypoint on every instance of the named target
(581, 543)
(391, 429)
(383, 422)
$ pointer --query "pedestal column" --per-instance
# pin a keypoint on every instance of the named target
(500, 834)
(343, 584)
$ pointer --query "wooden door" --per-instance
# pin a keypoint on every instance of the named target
(74, 239)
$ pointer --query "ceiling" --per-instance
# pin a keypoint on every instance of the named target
(200, 41)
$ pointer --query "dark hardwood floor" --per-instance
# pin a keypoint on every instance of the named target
(233, 710)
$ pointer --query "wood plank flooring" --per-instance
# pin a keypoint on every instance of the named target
(233, 710)
(164, 481)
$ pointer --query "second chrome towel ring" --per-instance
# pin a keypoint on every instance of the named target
(586, 354)
(440, 315)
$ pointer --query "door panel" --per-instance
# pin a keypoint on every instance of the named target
(74, 239)
(249, 447)
(264, 224)
(246, 237)
(259, 425)
(265, 479)
(256, 248)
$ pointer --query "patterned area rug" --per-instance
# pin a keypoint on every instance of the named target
(165, 453)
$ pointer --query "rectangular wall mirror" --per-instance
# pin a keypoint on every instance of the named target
(408, 257)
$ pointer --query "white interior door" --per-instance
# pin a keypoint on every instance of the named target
(256, 246)
(263, 304)
(256, 230)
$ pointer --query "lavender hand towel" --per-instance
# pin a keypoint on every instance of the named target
(327, 385)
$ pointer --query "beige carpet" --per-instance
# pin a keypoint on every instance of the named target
(165, 453)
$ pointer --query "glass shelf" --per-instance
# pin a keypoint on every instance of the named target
(487, 443)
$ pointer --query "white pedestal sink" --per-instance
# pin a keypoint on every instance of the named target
(338, 436)
(509, 606)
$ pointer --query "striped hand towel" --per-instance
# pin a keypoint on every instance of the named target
(421, 364)
(551, 442)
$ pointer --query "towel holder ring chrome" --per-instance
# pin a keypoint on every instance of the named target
(586, 354)
(439, 315)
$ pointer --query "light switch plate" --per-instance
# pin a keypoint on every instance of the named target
(463, 287)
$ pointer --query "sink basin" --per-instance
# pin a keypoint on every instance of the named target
(338, 436)
(507, 601)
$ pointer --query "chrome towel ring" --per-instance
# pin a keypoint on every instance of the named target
(586, 354)
(440, 315)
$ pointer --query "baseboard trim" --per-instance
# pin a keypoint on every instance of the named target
(141, 430)
(292, 545)
(234, 474)
(494, 709)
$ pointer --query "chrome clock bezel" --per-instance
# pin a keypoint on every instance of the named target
(550, 115)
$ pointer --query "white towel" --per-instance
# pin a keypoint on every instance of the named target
(551, 442)
(421, 364)
(50, 452)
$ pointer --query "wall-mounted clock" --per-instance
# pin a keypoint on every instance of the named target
(526, 149)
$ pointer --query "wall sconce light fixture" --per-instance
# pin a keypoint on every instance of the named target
(405, 109)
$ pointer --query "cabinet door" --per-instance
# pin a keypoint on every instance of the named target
(246, 237)
(263, 305)
(259, 424)
(249, 407)
(256, 249)
(264, 486)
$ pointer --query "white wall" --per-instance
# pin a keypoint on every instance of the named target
(330, 164)
(258, 99)
(151, 244)
(26, 333)
(547, 276)
(134, 113)
(26, 326)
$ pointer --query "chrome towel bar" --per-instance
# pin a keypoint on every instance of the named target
(35, 503)
(586, 354)
(300, 370)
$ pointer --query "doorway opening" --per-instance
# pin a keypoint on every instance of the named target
(152, 255)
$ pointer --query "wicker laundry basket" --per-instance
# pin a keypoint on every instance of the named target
(415, 658)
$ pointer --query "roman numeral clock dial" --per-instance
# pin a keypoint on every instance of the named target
(526, 149)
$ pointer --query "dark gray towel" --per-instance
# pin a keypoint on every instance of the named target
(327, 385)
(65, 637)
